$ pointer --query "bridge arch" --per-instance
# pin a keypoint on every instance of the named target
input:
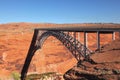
(77, 49)
(44, 36)
(73, 45)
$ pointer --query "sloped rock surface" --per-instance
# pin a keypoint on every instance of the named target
(106, 67)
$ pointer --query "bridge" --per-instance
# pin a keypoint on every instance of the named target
(69, 36)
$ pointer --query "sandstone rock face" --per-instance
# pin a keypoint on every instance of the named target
(15, 39)
(106, 67)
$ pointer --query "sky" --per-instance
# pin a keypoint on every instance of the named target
(60, 11)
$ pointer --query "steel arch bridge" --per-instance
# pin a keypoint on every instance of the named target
(77, 49)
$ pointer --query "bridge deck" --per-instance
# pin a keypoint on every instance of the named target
(88, 28)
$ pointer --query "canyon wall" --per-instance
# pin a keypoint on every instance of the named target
(15, 39)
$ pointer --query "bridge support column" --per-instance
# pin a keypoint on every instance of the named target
(75, 40)
(85, 41)
(119, 34)
(98, 40)
(68, 33)
(72, 34)
(78, 36)
(113, 36)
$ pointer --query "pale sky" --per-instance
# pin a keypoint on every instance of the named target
(60, 11)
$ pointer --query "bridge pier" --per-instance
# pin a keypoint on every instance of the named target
(86, 34)
(78, 36)
(98, 40)
(72, 34)
(113, 35)
(68, 33)
(75, 40)
(85, 39)
(119, 34)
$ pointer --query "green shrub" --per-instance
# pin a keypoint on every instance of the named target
(42, 76)
(16, 75)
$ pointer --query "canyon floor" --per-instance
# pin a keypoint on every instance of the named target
(15, 39)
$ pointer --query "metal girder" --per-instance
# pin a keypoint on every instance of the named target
(81, 29)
